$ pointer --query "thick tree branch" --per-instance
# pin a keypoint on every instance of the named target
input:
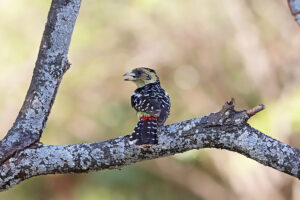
(22, 157)
(227, 129)
(295, 9)
(51, 64)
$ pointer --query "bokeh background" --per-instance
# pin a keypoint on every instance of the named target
(205, 52)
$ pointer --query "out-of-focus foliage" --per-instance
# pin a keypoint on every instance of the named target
(205, 52)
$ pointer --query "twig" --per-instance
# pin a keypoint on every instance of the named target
(255, 110)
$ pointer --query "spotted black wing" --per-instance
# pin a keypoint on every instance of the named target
(165, 108)
(146, 103)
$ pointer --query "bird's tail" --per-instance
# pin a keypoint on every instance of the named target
(145, 132)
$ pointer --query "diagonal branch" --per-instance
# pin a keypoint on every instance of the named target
(295, 9)
(21, 157)
(51, 64)
(226, 129)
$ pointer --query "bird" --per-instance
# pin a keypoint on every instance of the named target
(152, 105)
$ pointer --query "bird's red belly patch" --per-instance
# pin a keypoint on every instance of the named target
(145, 118)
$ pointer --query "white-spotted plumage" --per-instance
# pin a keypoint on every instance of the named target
(152, 100)
(152, 104)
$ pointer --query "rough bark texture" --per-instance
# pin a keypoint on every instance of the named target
(50, 66)
(295, 9)
(22, 156)
(227, 129)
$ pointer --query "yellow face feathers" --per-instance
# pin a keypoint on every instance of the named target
(141, 76)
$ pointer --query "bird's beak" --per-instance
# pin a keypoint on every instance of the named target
(131, 76)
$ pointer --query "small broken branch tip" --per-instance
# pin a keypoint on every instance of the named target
(255, 110)
(231, 102)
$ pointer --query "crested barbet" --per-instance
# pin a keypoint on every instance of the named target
(152, 104)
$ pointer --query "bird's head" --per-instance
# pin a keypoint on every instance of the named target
(141, 76)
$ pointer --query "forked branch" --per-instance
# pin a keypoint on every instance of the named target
(226, 129)
(51, 64)
(22, 156)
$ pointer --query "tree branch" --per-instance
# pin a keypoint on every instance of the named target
(226, 129)
(51, 64)
(22, 157)
(295, 9)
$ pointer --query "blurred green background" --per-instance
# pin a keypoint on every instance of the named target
(205, 52)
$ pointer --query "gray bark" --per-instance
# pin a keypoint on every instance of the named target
(227, 129)
(22, 156)
(51, 64)
(295, 9)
